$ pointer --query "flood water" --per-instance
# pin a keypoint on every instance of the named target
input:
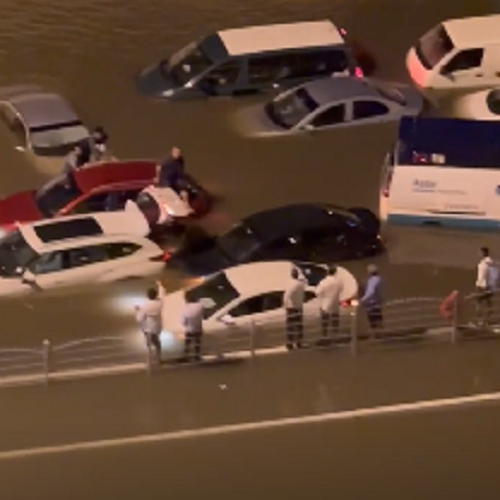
(91, 50)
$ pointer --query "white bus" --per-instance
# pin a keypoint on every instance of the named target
(443, 172)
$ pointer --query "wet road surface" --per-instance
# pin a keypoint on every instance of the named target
(91, 52)
(440, 451)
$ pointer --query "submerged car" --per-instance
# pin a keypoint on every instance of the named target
(76, 251)
(330, 103)
(100, 187)
(250, 60)
(482, 105)
(234, 298)
(309, 232)
(41, 122)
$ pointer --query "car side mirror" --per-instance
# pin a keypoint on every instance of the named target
(227, 320)
(447, 74)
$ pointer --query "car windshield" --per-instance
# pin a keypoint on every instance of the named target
(433, 46)
(239, 243)
(186, 64)
(56, 194)
(57, 139)
(15, 254)
(289, 110)
(217, 290)
(390, 93)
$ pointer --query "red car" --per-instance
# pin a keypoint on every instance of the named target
(96, 188)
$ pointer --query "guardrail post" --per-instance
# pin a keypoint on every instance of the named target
(46, 353)
(354, 330)
(455, 318)
(150, 358)
(252, 340)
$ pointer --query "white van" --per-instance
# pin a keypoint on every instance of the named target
(443, 172)
(250, 60)
(458, 54)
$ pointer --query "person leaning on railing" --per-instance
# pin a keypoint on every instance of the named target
(149, 318)
(328, 291)
(372, 298)
(293, 302)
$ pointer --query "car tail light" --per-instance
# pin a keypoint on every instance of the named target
(359, 72)
(349, 303)
(164, 257)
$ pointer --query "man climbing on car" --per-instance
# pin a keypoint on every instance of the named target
(171, 173)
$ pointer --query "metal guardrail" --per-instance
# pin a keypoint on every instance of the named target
(414, 319)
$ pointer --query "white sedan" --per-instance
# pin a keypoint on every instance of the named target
(481, 105)
(76, 251)
(248, 293)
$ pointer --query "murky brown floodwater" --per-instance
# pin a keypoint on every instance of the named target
(91, 50)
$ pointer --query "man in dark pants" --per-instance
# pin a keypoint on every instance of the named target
(293, 302)
(372, 299)
(192, 319)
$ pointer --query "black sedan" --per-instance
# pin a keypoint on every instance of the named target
(306, 232)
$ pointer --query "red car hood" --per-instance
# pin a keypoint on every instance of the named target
(19, 207)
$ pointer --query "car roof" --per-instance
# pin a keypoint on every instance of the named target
(284, 221)
(477, 31)
(465, 143)
(272, 37)
(333, 89)
(43, 109)
(114, 172)
(249, 279)
(61, 231)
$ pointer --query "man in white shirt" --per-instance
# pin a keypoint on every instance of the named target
(483, 286)
(149, 318)
(328, 292)
(192, 319)
(293, 302)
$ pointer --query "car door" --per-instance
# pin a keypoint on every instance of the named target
(463, 70)
(333, 116)
(94, 203)
(326, 244)
(222, 80)
(369, 111)
(265, 311)
(286, 248)
(269, 73)
(67, 268)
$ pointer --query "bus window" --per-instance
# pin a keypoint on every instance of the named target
(387, 174)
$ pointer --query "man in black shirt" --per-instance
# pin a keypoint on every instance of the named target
(170, 172)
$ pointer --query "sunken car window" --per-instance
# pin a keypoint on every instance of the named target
(68, 229)
(433, 46)
(149, 207)
(56, 194)
(239, 243)
(57, 139)
(217, 289)
(186, 64)
(291, 109)
(493, 102)
(313, 273)
(15, 254)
